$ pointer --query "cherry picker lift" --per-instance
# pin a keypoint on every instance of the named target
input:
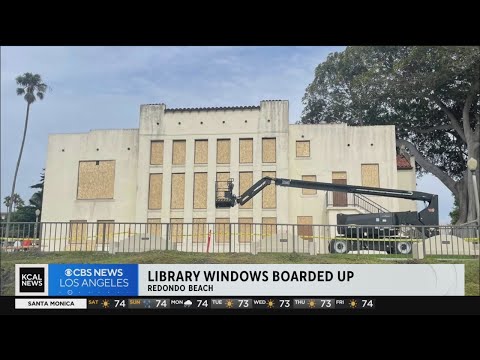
(379, 231)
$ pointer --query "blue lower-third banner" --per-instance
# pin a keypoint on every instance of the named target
(91, 280)
(239, 279)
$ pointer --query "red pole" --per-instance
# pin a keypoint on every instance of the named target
(209, 237)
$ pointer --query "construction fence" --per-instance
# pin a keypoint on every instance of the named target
(252, 238)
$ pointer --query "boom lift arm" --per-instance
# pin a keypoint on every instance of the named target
(428, 216)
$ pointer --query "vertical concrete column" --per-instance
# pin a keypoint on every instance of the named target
(212, 177)
(188, 200)
(167, 179)
(151, 127)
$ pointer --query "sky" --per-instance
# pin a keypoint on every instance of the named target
(103, 88)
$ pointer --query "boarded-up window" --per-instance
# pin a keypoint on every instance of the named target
(200, 191)
(269, 228)
(305, 228)
(339, 198)
(156, 152)
(78, 231)
(223, 176)
(269, 194)
(201, 151)
(199, 231)
(246, 151)
(309, 191)
(303, 148)
(96, 179)
(178, 191)
(246, 180)
(223, 151)
(154, 227)
(370, 176)
(245, 230)
(269, 151)
(155, 191)
(179, 151)
(222, 230)
(105, 231)
(177, 230)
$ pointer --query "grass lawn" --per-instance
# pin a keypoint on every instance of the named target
(8, 261)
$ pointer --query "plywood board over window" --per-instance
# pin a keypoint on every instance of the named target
(96, 179)
(339, 175)
(105, 231)
(201, 151)
(269, 227)
(269, 194)
(78, 231)
(223, 151)
(179, 152)
(245, 230)
(223, 176)
(303, 148)
(177, 230)
(156, 152)
(339, 198)
(178, 191)
(155, 191)
(305, 228)
(309, 178)
(269, 150)
(200, 230)
(154, 227)
(222, 230)
(246, 180)
(200, 191)
(370, 175)
(246, 151)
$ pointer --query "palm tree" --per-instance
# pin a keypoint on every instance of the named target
(6, 201)
(17, 201)
(31, 87)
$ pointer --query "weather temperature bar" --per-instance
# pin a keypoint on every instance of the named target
(282, 303)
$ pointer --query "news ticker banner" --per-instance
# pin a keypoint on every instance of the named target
(197, 303)
(239, 279)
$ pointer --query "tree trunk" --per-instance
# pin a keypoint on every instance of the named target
(467, 206)
(9, 210)
(462, 200)
(473, 147)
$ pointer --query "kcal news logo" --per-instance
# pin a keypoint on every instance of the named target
(32, 280)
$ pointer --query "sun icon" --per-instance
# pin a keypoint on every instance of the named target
(270, 303)
(106, 303)
(353, 303)
(229, 304)
(311, 304)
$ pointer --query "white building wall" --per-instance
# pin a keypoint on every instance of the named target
(64, 153)
(338, 147)
(333, 147)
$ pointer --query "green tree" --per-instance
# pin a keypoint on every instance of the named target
(31, 87)
(454, 214)
(37, 197)
(431, 94)
(24, 214)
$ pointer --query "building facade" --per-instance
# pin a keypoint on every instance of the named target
(165, 171)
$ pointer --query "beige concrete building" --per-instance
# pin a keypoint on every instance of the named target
(165, 171)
